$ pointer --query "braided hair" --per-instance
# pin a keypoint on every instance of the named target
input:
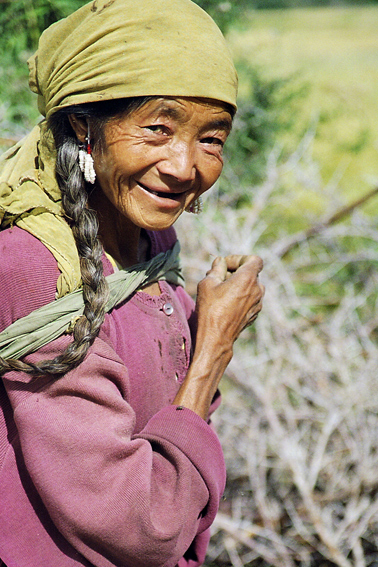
(84, 224)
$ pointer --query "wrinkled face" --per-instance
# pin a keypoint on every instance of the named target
(156, 161)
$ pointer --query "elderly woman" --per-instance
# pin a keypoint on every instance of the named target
(107, 455)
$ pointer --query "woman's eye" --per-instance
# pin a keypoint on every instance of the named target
(212, 140)
(158, 128)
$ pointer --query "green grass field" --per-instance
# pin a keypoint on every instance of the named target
(335, 52)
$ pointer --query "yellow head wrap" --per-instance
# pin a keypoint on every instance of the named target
(107, 49)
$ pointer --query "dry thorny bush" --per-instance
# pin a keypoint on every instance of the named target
(299, 419)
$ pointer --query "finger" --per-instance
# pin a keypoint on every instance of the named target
(218, 269)
(255, 313)
(252, 319)
(262, 288)
(234, 262)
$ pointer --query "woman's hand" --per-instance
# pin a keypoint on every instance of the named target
(229, 299)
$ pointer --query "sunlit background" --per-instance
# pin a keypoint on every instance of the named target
(299, 419)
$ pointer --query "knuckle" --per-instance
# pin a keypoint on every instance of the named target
(202, 286)
(254, 264)
(204, 282)
(257, 262)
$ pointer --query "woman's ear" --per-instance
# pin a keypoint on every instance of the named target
(80, 127)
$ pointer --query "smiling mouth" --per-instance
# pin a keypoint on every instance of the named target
(162, 194)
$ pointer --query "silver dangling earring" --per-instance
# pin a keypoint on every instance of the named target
(195, 207)
(86, 163)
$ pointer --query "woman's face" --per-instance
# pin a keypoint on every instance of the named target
(156, 161)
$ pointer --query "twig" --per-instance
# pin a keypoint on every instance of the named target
(283, 249)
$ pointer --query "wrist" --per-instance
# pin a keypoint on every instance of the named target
(202, 380)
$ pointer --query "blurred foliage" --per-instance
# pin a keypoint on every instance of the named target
(226, 12)
(21, 24)
(267, 108)
(22, 21)
(277, 4)
(335, 51)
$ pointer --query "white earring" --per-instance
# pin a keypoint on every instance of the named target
(195, 207)
(86, 162)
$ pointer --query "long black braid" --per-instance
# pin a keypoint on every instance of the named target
(84, 225)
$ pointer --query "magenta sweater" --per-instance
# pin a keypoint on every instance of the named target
(97, 467)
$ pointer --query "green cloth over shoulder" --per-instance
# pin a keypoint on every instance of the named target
(50, 321)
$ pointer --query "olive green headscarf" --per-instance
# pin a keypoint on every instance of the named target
(107, 49)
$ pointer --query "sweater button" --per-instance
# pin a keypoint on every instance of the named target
(168, 309)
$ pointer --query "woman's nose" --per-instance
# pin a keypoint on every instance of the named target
(179, 162)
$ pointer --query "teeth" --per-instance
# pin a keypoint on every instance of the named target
(154, 192)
